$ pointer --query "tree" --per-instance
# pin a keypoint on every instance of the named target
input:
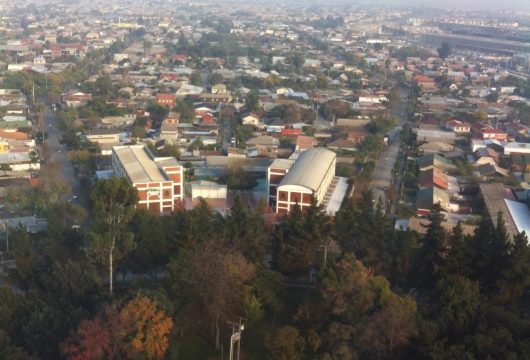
(147, 328)
(431, 255)
(112, 203)
(33, 159)
(493, 97)
(285, 344)
(444, 50)
(460, 300)
(23, 249)
(5, 168)
(344, 229)
(389, 329)
(247, 232)
(514, 279)
(208, 284)
(459, 256)
(252, 101)
(136, 330)
(298, 238)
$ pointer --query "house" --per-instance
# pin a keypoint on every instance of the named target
(76, 98)
(169, 127)
(275, 126)
(520, 162)
(342, 144)
(312, 63)
(357, 137)
(517, 130)
(304, 143)
(201, 110)
(352, 123)
(458, 126)
(435, 147)
(103, 136)
(516, 148)
(180, 58)
(291, 131)
(486, 132)
(188, 89)
(490, 170)
(484, 155)
(219, 89)
(265, 144)
(433, 177)
(427, 198)
(168, 100)
(118, 120)
(39, 60)
(425, 82)
(429, 161)
(251, 119)
(425, 135)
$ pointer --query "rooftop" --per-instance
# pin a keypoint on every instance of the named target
(139, 165)
(494, 195)
(310, 168)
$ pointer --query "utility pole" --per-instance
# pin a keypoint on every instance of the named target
(237, 329)
(6, 227)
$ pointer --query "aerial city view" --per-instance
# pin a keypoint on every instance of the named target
(264, 180)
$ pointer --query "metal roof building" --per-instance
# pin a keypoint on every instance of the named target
(310, 169)
(311, 175)
(159, 181)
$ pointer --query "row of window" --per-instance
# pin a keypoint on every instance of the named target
(295, 197)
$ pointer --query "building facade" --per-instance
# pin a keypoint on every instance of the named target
(159, 181)
(310, 175)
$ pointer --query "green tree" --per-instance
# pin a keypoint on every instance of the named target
(208, 285)
(431, 256)
(5, 168)
(344, 229)
(252, 101)
(112, 202)
(299, 237)
(246, 231)
(23, 250)
(285, 344)
(459, 308)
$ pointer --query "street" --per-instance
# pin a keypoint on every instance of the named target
(58, 154)
(382, 178)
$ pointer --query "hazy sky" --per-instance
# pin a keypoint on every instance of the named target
(469, 4)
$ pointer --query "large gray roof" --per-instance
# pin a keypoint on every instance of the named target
(310, 169)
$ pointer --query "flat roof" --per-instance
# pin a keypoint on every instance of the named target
(282, 164)
(337, 196)
(478, 38)
(138, 165)
(494, 195)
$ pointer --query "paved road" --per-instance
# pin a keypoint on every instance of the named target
(382, 178)
(58, 154)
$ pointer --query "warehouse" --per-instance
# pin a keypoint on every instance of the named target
(312, 174)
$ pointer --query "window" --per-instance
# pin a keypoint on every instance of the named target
(282, 195)
(296, 197)
(307, 198)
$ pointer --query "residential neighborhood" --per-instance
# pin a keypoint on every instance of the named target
(205, 180)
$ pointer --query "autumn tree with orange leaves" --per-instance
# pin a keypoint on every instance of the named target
(135, 330)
